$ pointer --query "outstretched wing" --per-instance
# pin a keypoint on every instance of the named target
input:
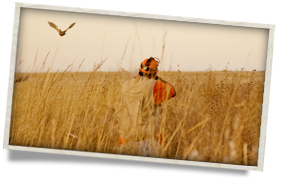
(70, 26)
(53, 25)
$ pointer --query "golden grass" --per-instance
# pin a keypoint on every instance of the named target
(215, 116)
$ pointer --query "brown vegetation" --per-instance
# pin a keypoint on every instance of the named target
(215, 116)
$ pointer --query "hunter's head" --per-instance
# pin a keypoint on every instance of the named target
(149, 67)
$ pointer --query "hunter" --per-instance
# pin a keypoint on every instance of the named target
(139, 111)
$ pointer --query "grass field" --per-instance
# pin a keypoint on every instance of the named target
(215, 116)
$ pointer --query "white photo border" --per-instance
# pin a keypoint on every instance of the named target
(265, 105)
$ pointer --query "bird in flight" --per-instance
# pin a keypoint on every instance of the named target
(60, 32)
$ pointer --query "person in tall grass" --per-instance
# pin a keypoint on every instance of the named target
(139, 110)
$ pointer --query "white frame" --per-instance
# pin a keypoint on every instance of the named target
(265, 104)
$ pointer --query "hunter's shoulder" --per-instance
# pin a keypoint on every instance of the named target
(160, 84)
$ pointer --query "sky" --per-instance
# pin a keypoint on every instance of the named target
(124, 42)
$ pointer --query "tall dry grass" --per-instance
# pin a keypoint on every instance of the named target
(215, 116)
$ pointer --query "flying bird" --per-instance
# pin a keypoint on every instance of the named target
(60, 32)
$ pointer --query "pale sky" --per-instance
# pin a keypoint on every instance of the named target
(94, 37)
